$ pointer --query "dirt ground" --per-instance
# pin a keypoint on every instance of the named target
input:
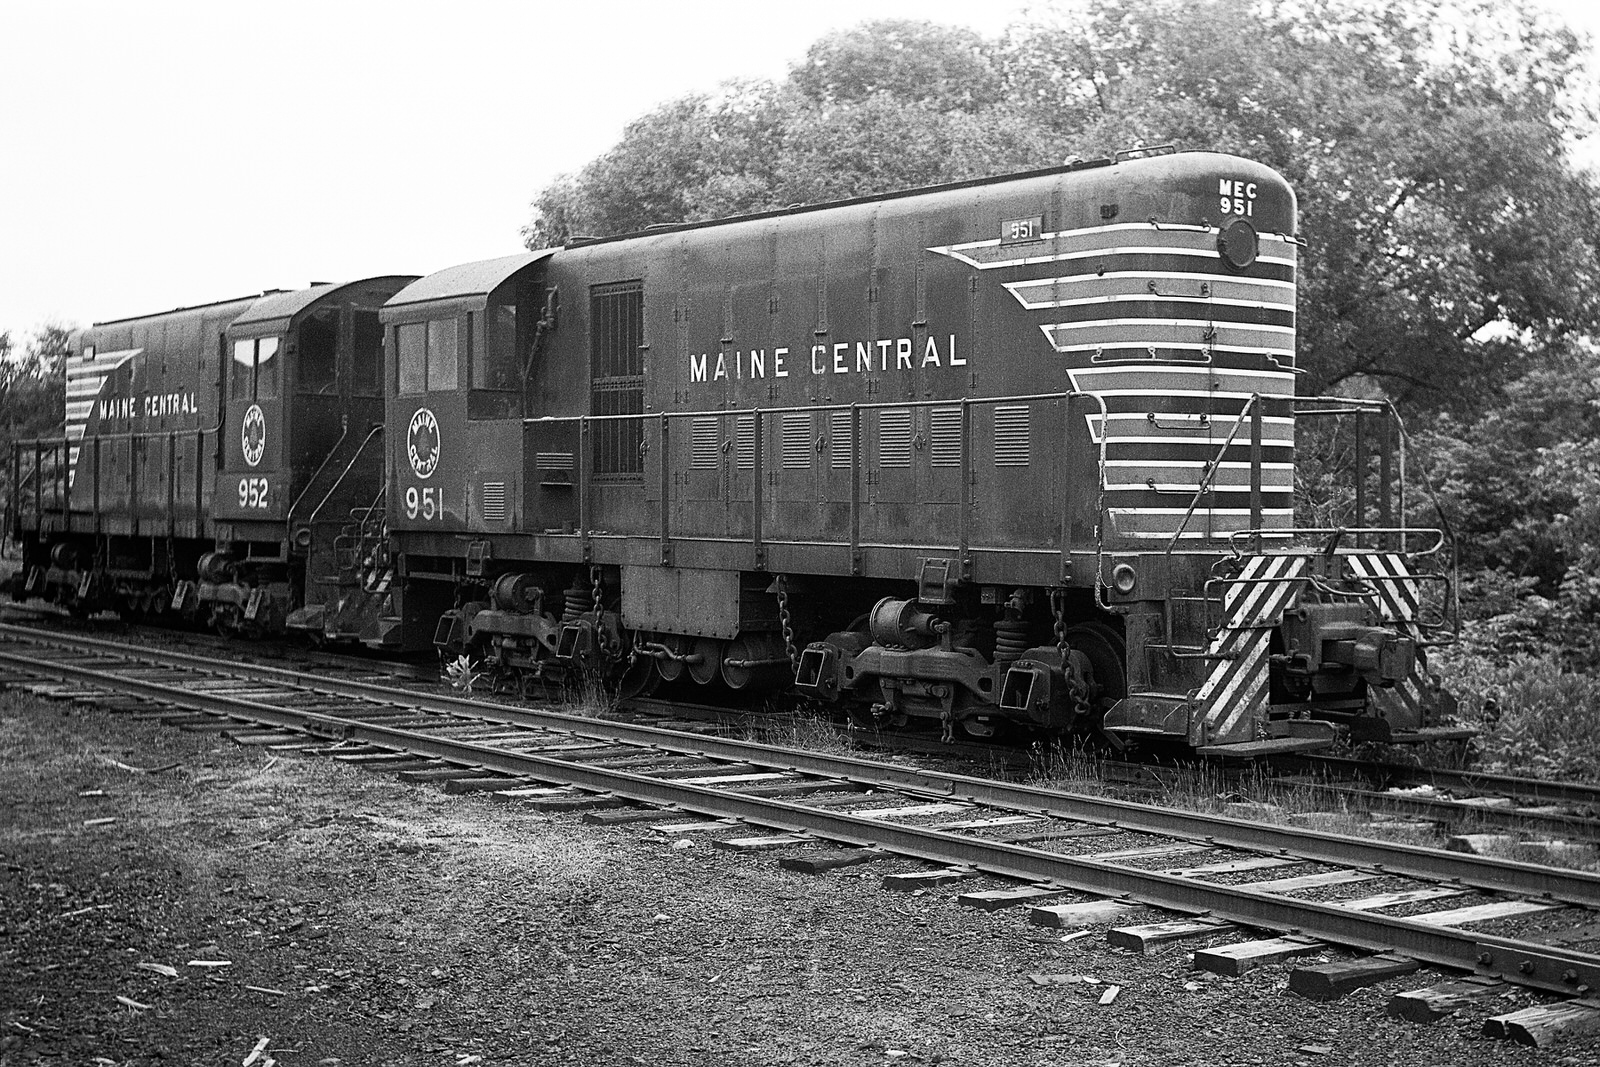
(238, 903)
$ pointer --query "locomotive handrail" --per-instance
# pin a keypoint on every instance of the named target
(344, 432)
(188, 431)
(1209, 472)
(1445, 530)
(1365, 404)
(948, 402)
(61, 446)
(376, 429)
(1252, 409)
(1435, 532)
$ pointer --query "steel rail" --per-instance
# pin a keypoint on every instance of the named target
(1533, 789)
(1541, 966)
(1442, 809)
(1413, 861)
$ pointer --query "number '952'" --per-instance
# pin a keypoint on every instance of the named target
(253, 492)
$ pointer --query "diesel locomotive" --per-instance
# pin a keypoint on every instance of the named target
(216, 463)
(1016, 451)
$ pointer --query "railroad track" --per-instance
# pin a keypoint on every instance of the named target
(1073, 860)
(1448, 795)
(1466, 800)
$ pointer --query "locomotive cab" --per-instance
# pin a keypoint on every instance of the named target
(300, 464)
(466, 368)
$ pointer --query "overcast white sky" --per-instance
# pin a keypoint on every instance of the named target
(165, 153)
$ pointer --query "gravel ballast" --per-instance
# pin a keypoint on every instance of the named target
(345, 917)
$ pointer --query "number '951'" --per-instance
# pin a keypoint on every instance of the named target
(424, 502)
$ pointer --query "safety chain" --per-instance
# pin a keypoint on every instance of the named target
(782, 583)
(1058, 608)
(598, 590)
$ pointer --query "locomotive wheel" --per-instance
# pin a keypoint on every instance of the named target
(672, 669)
(1108, 658)
(706, 654)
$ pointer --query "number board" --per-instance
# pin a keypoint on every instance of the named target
(1019, 231)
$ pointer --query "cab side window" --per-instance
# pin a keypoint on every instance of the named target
(267, 365)
(366, 355)
(317, 360)
(427, 356)
(411, 341)
(254, 374)
(499, 368)
(242, 376)
(441, 355)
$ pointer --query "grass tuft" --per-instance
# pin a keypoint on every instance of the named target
(801, 727)
(585, 693)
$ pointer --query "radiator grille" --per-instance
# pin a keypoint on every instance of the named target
(894, 437)
(494, 501)
(745, 441)
(841, 440)
(706, 443)
(552, 461)
(616, 361)
(1012, 442)
(796, 441)
(944, 433)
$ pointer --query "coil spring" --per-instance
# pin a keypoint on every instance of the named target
(575, 603)
(1010, 640)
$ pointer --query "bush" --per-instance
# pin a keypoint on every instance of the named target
(1537, 718)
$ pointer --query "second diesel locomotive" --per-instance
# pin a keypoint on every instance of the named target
(217, 464)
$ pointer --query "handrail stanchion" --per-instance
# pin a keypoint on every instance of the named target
(757, 496)
(1386, 474)
(856, 453)
(1255, 476)
(1359, 422)
(666, 489)
(585, 466)
(964, 494)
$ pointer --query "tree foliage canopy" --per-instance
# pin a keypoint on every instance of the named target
(32, 382)
(32, 392)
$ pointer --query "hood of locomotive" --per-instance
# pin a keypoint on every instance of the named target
(1174, 303)
(133, 381)
(1165, 286)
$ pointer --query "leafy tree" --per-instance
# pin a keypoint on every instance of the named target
(884, 106)
(32, 393)
(1521, 483)
(886, 143)
(696, 157)
(942, 67)
(1443, 213)
(32, 382)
